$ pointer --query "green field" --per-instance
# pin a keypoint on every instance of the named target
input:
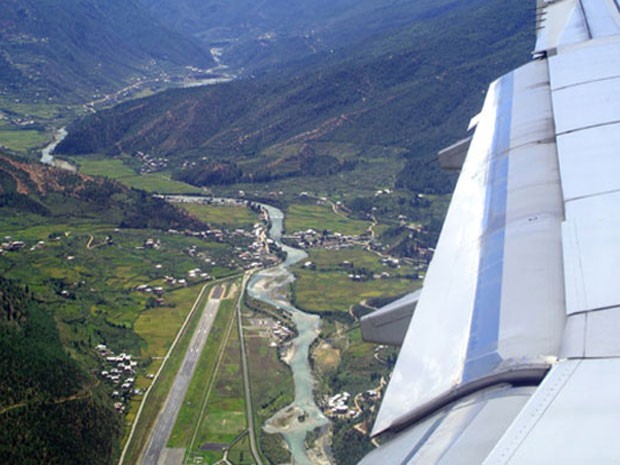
(108, 167)
(319, 218)
(231, 217)
(158, 326)
(23, 140)
(115, 168)
(335, 292)
(240, 453)
(269, 393)
(40, 111)
(159, 183)
(45, 116)
(327, 287)
(335, 259)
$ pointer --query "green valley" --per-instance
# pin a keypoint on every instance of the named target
(335, 118)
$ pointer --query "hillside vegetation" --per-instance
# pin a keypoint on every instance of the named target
(413, 90)
(51, 409)
(70, 50)
(256, 35)
(27, 187)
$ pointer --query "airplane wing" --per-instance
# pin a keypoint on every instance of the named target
(512, 355)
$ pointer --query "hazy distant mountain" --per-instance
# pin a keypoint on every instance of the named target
(414, 89)
(71, 47)
(263, 32)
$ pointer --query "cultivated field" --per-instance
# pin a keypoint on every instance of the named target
(115, 168)
(320, 217)
(231, 217)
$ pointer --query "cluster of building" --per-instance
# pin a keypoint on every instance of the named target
(311, 238)
(281, 334)
(339, 406)
(391, 262)
(11, 246)
(152, 243)
(195, 273)
(256, 254)
(23, 122)
(119, 371)
(259, 252)
(157, 290)
(150, 163)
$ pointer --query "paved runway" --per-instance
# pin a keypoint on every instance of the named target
(167, 416)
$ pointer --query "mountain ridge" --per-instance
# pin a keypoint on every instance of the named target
(69, 52)
(412, 90)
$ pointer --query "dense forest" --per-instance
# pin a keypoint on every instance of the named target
(51, 411)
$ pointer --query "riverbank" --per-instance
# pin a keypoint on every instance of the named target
(46, 154)
(303, 416)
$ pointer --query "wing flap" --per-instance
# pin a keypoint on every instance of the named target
(505, 213)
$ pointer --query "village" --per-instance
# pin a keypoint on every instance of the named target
(150, 163)
(343, 406)
(119, 372)
(11, 246)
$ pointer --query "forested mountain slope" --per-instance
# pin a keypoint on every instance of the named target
(71, 49)
(28, 187)
(255, 34)
(414, 90)
(51, 409)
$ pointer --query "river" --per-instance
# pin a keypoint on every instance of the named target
(271, 286)
(46, 153)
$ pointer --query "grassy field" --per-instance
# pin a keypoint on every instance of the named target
(46, 116)
(240, 453)
(23, 140)
(108, 167)
(225, 415)
(115, 168)
(269, 393)
(335, 260)
(320, 217)
(328, 288)
(158, 326)
(40, 111)
(159, 183)
(335, 292)
(231, 217)
(107, 272)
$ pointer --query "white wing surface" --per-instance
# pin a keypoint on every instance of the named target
(513, 353)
